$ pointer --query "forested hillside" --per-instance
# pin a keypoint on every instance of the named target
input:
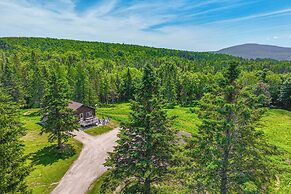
(100, 73)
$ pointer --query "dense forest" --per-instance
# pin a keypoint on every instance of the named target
(101, 73)
(229, 95)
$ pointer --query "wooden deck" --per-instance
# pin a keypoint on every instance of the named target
(89, 122)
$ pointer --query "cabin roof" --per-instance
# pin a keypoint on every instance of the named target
(76, 105)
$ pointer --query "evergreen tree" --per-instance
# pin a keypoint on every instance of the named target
(13, 166)
(113, 92)
(37, 83)
(285, 94)
(263, 94)
(230, 155)
(82, 85)
(104, 94)
(275, 82)
(168, 75)
(146, 144)
(59, 119)
(128, 87)
(11, 82)
(190, 88)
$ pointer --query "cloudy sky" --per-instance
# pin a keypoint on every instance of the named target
(199, 25)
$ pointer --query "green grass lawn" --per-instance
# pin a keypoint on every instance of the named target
(95, 188)
(99, 130)
(117, 112)
(49, 166)
(185, 120)
(276, 124)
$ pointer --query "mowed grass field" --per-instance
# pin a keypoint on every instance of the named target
(184, 120)
(276, 124)
(49, 166)
(100, 129)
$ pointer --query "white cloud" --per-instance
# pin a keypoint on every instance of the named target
(255, 16)
(60, 20)
(33, 20)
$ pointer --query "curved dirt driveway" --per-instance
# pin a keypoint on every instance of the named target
(89, 164)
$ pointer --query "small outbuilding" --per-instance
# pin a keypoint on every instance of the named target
(86, 114)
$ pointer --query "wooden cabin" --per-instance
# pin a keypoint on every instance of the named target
(86, 114)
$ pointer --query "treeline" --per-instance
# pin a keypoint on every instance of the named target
(101, 73)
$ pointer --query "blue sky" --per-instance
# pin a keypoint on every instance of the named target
(198, 25)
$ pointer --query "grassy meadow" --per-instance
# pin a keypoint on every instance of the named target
(49, 166)
(184, 120)
(276, 124)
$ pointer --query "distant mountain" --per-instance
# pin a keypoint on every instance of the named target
(253, 51)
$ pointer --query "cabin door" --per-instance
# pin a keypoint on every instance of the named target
(81, 117)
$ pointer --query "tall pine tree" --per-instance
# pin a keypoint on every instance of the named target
(13, 167)
(11, 82)
(168, 75)
(146, 144)
(128, 87)
(59, 119)
(37, 82)
(230, 155)
(82, 87)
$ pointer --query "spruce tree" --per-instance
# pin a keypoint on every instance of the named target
(128, 86)
(168, 75)
(13, 166)
(59, 119)
(37, 82)
(11, 82)
(146, 143)
(230, 155)
(82, 87)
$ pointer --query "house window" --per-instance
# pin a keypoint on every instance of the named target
(81, 116)
(89, 114)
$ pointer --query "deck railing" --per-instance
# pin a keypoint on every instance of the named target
(93, 121)
(89, 121)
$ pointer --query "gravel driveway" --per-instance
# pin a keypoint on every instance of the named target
(89, 164)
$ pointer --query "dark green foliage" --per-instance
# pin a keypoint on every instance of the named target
(190, 87)
(10, 80)
(146, 143)
(37, 82)
(285, 94)
(262, 91)
(274, 81)
(168, 78)
(82, 87)
(59, 119)
(102, 73)
(229, 154)
(128, 87)
(13, 166)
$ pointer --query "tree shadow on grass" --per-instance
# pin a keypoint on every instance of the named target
(50, 154)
